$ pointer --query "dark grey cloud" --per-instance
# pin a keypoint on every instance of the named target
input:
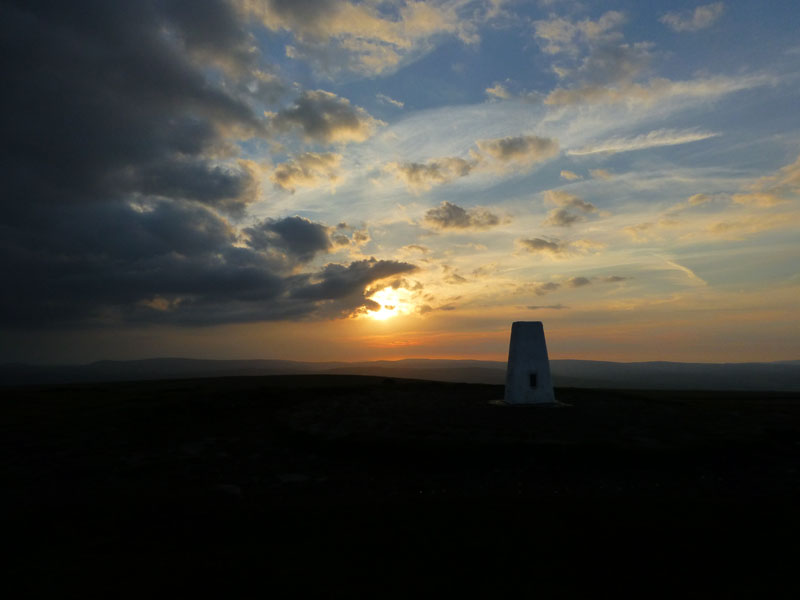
(299, 238)
(228, 188)
(452, 216)
(107, 99)
(119, 176)
(340, 290)
(173, 262)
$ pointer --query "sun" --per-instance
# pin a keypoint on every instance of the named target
(394, 302)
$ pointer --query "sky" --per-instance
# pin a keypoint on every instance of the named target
(363, 180)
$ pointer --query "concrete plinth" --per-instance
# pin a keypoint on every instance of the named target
(528, 378)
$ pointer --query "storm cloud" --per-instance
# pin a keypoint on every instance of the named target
(120, 178)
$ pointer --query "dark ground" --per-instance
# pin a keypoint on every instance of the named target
(342, 484)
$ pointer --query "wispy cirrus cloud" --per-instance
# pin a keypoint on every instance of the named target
(653, 139)
(654, 90)
(389, 100)
(774, 189)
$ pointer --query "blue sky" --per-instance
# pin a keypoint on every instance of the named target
(626, 172)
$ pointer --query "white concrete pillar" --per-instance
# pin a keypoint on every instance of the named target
(528, 378)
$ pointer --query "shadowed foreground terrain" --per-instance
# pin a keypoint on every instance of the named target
(343, 483)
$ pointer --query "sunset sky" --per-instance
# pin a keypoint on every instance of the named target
(332, 180)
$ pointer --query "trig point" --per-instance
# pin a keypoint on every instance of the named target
(528, 378)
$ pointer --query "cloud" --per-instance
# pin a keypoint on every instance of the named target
(651, 229)
(521, 150)
(118, 171)
(548, 307)
(600, 174)
(698, 199)
(113, 108)
(452, 216)
(652, 91)
(325, 117)
(348, 235)
(542, 289)
(170, 261)
(572, 209)
(772, 190)
(702, 17)
(558, 34)
(499, 91)
(543, 246)
(561, 217)
(613, 63)
(225, 186)
(557, 248)
(748, 225)
(307, 170)
(570, 176)
(340, 290)
(723, 216)
(575, 282)
(365, 38)
(496, 154)
(387, 100)
(423, 176)
(296, 237)
(451, 277)
(686, 270)
(653, 139)
(416, 248)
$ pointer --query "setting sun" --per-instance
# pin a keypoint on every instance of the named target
(394, 302)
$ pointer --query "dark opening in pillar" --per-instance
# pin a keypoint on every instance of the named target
(533, 380)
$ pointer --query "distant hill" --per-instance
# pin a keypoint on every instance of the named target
(779, 376)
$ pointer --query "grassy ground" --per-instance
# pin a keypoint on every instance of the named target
(343, 483)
